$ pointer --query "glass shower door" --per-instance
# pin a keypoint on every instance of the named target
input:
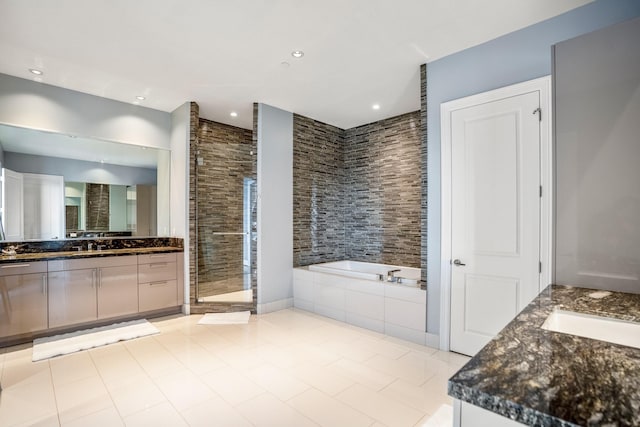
(226, 218)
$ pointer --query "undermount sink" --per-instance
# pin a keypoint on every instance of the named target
(594, 327)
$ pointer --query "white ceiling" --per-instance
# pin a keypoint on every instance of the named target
(225, 55)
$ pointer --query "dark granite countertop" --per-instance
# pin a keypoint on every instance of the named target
(544, 378)
(49, 256)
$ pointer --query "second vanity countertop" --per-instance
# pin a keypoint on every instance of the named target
(49, 256)
(545, 378)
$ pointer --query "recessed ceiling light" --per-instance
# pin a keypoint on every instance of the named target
(140, 98)
(233, 114)
(297, 54)
(35, 71)
(376, 106)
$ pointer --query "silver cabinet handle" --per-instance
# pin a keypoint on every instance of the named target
(44, 284)
(99, 277)
(16, 266)
(458, 262)
(158, 264)
(158, 283)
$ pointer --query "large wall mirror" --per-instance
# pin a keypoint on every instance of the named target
(58, 186)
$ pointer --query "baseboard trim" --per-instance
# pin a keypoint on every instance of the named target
(270, 307)
(432, 340)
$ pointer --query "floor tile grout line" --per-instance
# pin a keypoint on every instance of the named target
(105, 385)
(55, 395)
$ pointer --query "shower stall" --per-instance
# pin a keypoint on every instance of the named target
(225, 202)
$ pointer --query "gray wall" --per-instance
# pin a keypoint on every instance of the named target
(79, 171)
(597, 112)
(275, 207)
(516, 57)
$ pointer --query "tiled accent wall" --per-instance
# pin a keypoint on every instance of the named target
(424, 179)
(318, 192)
(357, 192)
(216, 206)
(382, 191)
(194, 124)
(97, 207)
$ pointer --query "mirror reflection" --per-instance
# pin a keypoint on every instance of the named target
(57, 186)
(98, 210)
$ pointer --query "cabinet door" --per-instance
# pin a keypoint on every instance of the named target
(72, 297)
(157, 271)
(24, 303)
(158, 295)
(117, 291)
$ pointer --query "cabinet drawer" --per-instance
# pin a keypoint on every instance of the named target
(10, 269)
(157, 271)
(157, 295)
(153, 258)
(97, 262)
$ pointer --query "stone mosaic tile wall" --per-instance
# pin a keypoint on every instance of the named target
(194, 124)
(357, 192)
(318, 192)
(382, 191)
(424, 180)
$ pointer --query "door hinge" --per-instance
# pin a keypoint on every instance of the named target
(538, 111)
(539, 267)
(541, 191)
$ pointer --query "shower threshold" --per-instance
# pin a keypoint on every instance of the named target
(239, 296)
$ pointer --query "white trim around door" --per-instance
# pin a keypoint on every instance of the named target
(543, 86)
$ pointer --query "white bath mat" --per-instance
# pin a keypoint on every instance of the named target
(234, 318)
(44, 348)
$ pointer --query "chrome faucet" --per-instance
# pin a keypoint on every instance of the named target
(10, 250)
(391, 275)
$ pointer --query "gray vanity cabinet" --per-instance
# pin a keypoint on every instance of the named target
(157, 281)
(86, 290)
(23, 291)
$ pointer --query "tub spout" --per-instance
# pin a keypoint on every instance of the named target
(391, 275)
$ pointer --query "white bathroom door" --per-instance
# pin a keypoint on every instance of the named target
(495, 216)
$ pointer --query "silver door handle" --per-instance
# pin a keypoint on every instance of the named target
(458, 262)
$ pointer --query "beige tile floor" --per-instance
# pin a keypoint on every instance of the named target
(288, 368)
